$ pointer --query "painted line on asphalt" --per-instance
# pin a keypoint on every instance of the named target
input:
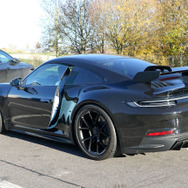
(40, 174)
(6, 184)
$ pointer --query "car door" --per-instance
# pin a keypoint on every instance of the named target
(31, 104)
(4, 66)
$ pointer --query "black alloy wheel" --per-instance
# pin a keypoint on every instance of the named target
(95, 133)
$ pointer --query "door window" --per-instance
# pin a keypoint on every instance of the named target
(46, 75)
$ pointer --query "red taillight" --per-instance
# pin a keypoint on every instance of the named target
(169, 78)
(161, 133)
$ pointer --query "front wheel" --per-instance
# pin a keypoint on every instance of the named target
(95, 132)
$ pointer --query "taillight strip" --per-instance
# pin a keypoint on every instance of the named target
(169, 78)
(161, 133)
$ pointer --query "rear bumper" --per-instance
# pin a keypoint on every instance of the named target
(159, 143)
(134, 123)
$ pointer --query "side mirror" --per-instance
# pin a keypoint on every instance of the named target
(14, 61)
(16, 83)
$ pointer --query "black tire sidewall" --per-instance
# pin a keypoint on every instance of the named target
(113, 138)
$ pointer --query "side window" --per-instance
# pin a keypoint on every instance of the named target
(4, 58)
(46, 75)
(80, 76)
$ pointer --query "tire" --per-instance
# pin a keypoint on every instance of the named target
(2, 127)
(95, 132)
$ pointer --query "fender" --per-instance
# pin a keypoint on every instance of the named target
(4, 90)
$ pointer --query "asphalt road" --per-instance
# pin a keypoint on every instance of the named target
(31, 162)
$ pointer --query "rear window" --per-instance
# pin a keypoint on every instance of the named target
(125, 67)
(80, 76)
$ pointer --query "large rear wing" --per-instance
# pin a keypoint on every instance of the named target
(153, 72)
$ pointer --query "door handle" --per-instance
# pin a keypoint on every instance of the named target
(30, 90)
(46, 100)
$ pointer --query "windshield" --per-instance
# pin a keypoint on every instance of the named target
(125, 67)
(4, 57)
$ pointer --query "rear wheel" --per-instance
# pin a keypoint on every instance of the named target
(2, 128)
(95, 133)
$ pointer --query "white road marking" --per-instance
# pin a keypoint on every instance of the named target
(6, 184)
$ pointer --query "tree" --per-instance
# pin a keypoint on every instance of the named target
(125, 24)
(75, 25)
(173, 29)
(52, 35)
(37, 46)
(154, 30)
(97, 18)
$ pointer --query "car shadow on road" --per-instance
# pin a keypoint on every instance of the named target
(64, 147)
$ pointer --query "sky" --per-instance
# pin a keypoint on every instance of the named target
(20, 23)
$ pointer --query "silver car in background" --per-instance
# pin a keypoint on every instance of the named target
(11, 68)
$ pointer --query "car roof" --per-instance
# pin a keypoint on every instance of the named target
(91, 62)
(86, 59)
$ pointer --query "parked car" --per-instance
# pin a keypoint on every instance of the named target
(11, 68)
(106, 104)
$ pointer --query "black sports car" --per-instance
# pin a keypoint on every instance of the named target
(11, 67)
(106, 104)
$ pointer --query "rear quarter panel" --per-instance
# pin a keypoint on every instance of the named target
(131, 123)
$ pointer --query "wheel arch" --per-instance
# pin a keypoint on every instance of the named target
(91, 102)
(5, 118)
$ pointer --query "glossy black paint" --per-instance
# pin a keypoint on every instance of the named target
(29, 108)
(31, 104)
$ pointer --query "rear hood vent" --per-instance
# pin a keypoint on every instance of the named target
(158, 84)
(162, 88)
(181, 92)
